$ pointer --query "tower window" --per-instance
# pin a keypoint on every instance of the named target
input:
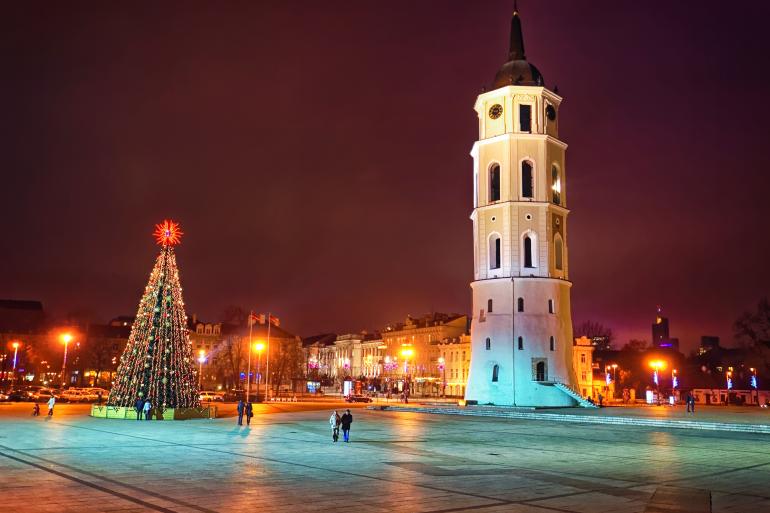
(495, 373)
(550, 306)
(526, 180)
(527, 251)
(521, 343)
(558, 249)
(489, 343)
(553, 344)
(494, 183)
(525, 118)
(556, 185)
(494, 251)
(489, 305)
(520, 304)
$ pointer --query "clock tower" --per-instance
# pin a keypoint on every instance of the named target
(521, 331)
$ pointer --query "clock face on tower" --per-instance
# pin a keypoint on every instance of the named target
(495, 111)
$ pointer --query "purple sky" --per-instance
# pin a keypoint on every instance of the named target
(316, 154)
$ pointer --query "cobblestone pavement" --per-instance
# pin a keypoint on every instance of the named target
(407, 462)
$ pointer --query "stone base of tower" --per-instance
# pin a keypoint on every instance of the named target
(523, 346)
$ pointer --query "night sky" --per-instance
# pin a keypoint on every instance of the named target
(317, 155)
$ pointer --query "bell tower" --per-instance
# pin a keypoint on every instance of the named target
(521, 329)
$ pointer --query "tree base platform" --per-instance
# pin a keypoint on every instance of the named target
(128, 413)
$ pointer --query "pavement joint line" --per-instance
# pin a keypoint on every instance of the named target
(585, 419)
(143, 491)
(83, 482)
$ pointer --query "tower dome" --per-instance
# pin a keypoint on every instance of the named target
(517, 71)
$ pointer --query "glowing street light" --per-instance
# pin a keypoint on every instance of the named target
(442, 368)
(201, 360)
(657, 366)
(259, 347)
(15, 347)
(65, 338)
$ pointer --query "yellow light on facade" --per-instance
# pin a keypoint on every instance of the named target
(407, 352)
(259, 347)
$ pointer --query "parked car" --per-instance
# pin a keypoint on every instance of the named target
(74, 395)
(92, 394)
(207, 397)
(4, 396)
(44, 394)
(358, 399)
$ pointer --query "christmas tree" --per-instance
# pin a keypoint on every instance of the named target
(157, 364)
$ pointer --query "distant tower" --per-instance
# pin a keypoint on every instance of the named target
(660, 334)
(521, 331)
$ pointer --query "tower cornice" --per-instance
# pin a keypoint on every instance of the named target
(519, 137)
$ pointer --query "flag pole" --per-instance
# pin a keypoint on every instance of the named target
(267, 387)
(248, 374)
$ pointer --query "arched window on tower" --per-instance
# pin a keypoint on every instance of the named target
(556, 185)
(495, 247)
(520, 304)
(494, 183)
(489, 305)
(488, 344)
(527, 184)
(558, 251)
(528, 251)
(521, 343)
(495, 373)
(553, 344)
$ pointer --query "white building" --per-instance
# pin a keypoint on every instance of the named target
(521, 331)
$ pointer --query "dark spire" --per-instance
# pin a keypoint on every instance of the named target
(517, 37)
(517, 71)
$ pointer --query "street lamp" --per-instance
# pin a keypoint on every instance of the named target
(657, 366)
(15, 347)
(201, 360)
(753, 382)
(259, 347)
(442, 368)
(407, 354)
(66, 338)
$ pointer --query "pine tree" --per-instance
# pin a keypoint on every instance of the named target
(157, 363)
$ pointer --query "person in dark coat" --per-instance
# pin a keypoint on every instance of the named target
(346, 420)
(139, 407)
(241, 407)
(249, 413)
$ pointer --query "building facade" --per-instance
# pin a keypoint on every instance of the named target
(521, 332)
(454, 363)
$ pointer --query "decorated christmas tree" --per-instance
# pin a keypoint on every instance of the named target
(157, 364)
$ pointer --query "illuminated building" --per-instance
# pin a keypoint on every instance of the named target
(521, 333)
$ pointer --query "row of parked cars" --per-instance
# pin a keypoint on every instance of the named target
(41, 393)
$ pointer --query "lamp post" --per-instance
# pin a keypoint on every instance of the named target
(258, 347)
(201, 360)
(753, 383)
(407, 354)
(442, 368)
(729, 383)
(657, 366)
(66, 338)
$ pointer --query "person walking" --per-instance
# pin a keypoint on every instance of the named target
(139, 407)
(334, 423)
(601, 398)
(241, 407)
(346, 420)
(36, 410)
(147, 409)
(51, 403)
(249, 413)
(691, 407)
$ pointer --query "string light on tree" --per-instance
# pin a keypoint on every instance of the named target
(157, 363)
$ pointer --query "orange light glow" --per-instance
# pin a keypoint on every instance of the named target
(658, 364)
(407, 352)
(259, 347)
(66, 338)
(16, 345)
(168, 233)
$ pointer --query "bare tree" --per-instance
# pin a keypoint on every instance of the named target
(635, 345)
(753, 328)
(600, 335)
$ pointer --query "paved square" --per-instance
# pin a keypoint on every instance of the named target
(286, 462)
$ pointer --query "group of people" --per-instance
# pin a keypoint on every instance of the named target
(337, 421)
(245, 408)
(143, 408)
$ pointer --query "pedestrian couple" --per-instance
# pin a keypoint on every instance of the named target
(336, 422)
(245, 408)
(143, 407)
(690, 401)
